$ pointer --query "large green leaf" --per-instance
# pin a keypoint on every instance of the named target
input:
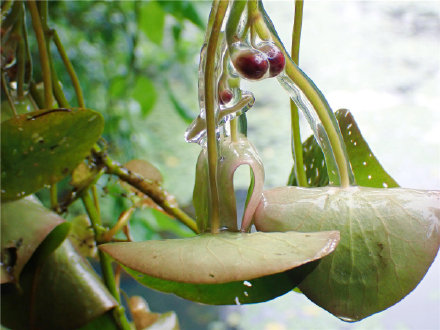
(62, 293)
(215, 269)
(145, 93)
(25, 225)
(389, 238)
(367, 170)
(152, 21)
(232, 154)
(42, 147)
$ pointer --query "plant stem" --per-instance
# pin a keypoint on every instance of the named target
(233, 21)
(69, 68)
(53, 196)
(233, 126)
(312, 93)
(297, 151)
(105, 261)
(44, 57)
(8, 96)
(210, 82)
(21, 57)
(149, 188)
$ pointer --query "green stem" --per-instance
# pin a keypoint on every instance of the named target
(233, 126)
(210, 82)
(54, 196)
(44, 57)
(233, 21)
(21, 57)
(8, 96)
(149, 188)
(105, 261)
(312, 93)
(70, 69)
(297, 151)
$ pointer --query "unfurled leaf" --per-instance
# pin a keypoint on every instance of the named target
(42, 147)
(25, 225)
(62, 293)
(152, 21)
(145, 93)
(232, 155)
(221, 268)
(367, 170)
(389, 238)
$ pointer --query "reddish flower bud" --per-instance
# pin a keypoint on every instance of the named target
(250, 63)
(274, 56)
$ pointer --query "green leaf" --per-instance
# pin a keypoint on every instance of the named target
(389, 238)
(82, 236)
(26, 227)
(367, 170)
(42, 147)
(145, 93)
(212, 268)
(152, 21)
(183, 9)
(62, 293)
(103, 322)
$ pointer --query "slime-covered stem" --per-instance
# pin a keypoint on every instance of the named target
(325, 127)
(297, 152)
(234, 20)
(210, 89)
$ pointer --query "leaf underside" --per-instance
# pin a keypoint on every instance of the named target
(389, 238)
(42, 147)
(215, 269)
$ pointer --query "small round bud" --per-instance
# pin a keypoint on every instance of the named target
(274, 56)
(225, 96)
(250, 63)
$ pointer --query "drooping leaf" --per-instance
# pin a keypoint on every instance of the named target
(232, 155)
(367, 170)
(62, 293)
(25, 225)
(219, 269)
(152, 21)
(42, 147)
(145, 93)
(389, 238)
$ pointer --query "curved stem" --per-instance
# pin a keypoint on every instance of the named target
(265, 30)
(44, 57)
(233, 21)
(8, 96)
(210, 89)
(297, 151)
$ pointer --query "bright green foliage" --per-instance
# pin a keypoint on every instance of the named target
(366, 168)
(389, 238)
(62, 293)
(145, 93)
(25, 226)
(152, 21)
(42, 147)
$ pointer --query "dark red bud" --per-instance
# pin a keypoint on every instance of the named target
(225, 96)
(274, 56)
(251, 63)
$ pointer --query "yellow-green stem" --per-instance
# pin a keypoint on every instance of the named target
(21, 57)
(8, 96)
(297, 151)
(233, 126)
(54, 196)
(44, 56)
(210, 89)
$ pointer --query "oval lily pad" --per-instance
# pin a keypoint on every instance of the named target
(389, 238)
(24, 226)
(221, 258)
(42, 147)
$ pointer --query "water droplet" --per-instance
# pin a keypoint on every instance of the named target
(354, 143)
(349, 125)
(20, 129)
(237, 302)
(369, 177)
(246, 294)
(370, 155)
(349, 132)
(247, 283)
(364, 163)
(385, 185)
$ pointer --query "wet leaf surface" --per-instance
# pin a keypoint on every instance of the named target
(367, 170)
(24, 226)
(389, 238)
(42, 147)
(62, 293)
(218, 269)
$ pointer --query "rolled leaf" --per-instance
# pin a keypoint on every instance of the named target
(62, 293)
(42, 147)
(389, 238)
(232, 154)
(25, 225)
